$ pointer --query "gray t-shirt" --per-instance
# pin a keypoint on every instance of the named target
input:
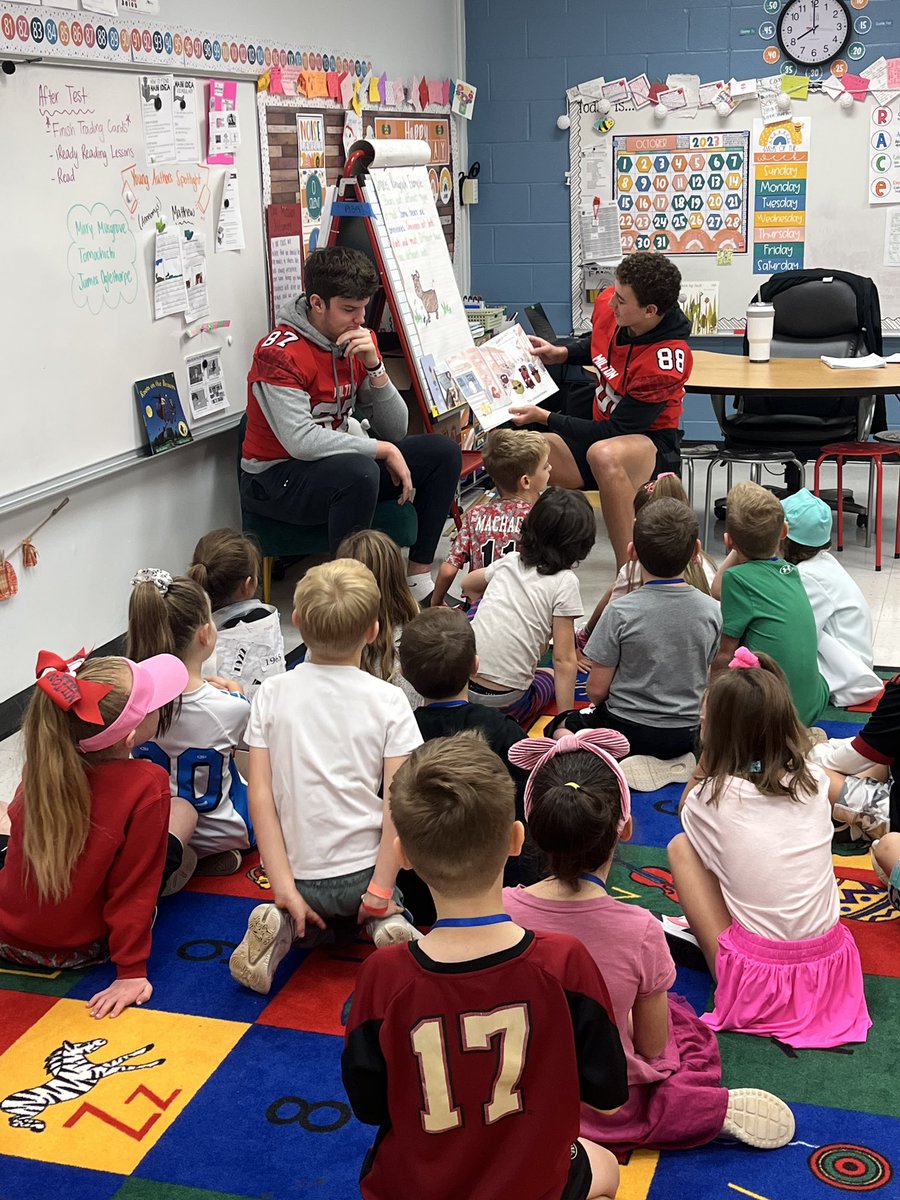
(661, 639)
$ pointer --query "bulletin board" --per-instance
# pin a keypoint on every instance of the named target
(828, 174)
(79, 206)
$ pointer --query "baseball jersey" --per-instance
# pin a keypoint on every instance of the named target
(488, 531)
(650, 368)
(198, 754)
(474, 1071)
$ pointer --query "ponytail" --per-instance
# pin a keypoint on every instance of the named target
(223, 559)
(55, 784)
(162, 619)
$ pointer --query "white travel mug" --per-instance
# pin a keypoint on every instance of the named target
(760, 328)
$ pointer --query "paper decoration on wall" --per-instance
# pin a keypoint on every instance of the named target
(157, 93)
(9, 583)
(169, 295)
(780, 164)
(160, 407)
(185, 121)
(310, 141)
(206, 383)
(884, 154)
(283, 233)
(463, 101)
(224, 132)
(700, 304)
(689, 196)
(230, 228)
(193, 257)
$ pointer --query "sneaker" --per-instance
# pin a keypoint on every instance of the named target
(817, 735)
(683, 946)
(392, 931)
(270, 932)
(880, 874)
(182, 874)
(757, 1118)
(647, 774)
(226, 862)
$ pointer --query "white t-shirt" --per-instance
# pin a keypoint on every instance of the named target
(771, 856)
(328, 730)
(198, 752)
(514, 621)
(844, 625)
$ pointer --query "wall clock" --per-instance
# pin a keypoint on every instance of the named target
(813, 32)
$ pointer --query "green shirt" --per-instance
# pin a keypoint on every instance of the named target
(765, 606)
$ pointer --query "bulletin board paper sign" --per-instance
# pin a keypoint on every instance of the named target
(435, 132)
(310, 142)
(463, 102)
(206, 384)
(892, 238)
(284, 245)
(157, 99)
(193, 258)
(312, 197)
(884, 156)
(222, 98)
(780, 170)
(700, 304)
(186, 121)
(683, 193)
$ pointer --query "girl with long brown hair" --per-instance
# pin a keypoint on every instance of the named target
(87, 852)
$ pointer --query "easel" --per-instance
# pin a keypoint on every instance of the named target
(352, 219)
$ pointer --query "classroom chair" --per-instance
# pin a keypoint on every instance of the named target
(874, 453)
(280, 539)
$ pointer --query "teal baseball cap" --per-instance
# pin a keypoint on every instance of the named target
(809, 519)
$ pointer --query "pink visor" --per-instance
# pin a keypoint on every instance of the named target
(155, 681)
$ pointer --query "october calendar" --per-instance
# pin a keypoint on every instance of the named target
(683, 193)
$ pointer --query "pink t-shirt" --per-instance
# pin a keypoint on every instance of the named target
(629, 947)
(488, 531)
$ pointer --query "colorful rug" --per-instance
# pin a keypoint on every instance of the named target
(213, 1093)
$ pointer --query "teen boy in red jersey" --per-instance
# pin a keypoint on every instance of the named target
(300, 464)
(472, 1049)
(638, 346)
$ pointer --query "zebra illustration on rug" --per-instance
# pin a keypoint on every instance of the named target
(72, 1075)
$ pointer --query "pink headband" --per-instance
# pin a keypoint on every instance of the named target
(154, 682)
(533, 753)
(744, 660)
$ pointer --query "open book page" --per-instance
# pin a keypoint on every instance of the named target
(503, 372)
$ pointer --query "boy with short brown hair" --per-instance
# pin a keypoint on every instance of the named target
(472, 1049)
(764, 602)
(519, 464)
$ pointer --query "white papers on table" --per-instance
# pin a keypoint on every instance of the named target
(865, 363)
(185, 122)
(892, 238)
(157, 93)
(193, 257)
(206, 383)
(230, 229)
(169, 295)
(601, 237)
(287, 273)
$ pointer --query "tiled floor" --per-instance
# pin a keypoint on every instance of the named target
(882, 589)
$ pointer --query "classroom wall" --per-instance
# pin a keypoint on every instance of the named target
(153, 513)
(522, 55)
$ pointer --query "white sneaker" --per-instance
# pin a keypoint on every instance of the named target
(391, 931)
(182, 875)
(270, 932)
(647, 774)
(758, 1118)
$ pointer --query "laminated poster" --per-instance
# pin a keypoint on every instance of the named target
(206, 383)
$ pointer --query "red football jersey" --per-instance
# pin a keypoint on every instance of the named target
(651, 368)
(474, 1071)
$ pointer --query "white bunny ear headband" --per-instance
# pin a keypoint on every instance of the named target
(533, 753)
(160, 579)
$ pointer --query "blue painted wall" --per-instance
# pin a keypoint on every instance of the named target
(522, 55)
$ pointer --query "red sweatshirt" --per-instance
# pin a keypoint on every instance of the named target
(115, 881)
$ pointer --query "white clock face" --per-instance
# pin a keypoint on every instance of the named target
(813, 31)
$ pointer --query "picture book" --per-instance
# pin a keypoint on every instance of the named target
(493, 377)
(160, 406)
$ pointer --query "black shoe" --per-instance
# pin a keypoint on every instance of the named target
(683, 946)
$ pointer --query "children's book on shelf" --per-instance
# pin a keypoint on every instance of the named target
(160, 406)
(493, 377)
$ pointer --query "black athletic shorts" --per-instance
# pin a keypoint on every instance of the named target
(667, 441)
(578, 1185)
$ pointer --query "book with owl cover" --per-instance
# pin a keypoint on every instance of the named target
(160, 407)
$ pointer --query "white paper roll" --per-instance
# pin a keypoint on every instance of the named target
(392, 152)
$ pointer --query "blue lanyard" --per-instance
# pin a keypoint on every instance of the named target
(447, 704)
(588, 878)
(658, 582)
(463, 922)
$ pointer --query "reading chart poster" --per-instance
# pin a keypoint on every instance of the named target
(682, 193)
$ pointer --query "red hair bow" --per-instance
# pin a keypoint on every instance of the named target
(56, 677)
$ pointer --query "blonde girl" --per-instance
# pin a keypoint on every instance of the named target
(94, 837)
(173, 616)
(397, 607)
(250, 644)
(765, 909)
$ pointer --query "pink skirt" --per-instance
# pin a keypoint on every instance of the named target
(807, 994)
(685, 1109)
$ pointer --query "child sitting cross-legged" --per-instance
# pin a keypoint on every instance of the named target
(519, 464)
(473, 1048)
(764, 603)
(324, 739)
(651, 650)
(579, 809)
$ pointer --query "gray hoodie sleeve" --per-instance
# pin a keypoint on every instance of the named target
(289, 415)
(385, 409)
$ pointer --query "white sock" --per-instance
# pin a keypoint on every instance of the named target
(421, 586)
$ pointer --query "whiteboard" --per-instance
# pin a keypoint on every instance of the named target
(77, 315)
(842, 230)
